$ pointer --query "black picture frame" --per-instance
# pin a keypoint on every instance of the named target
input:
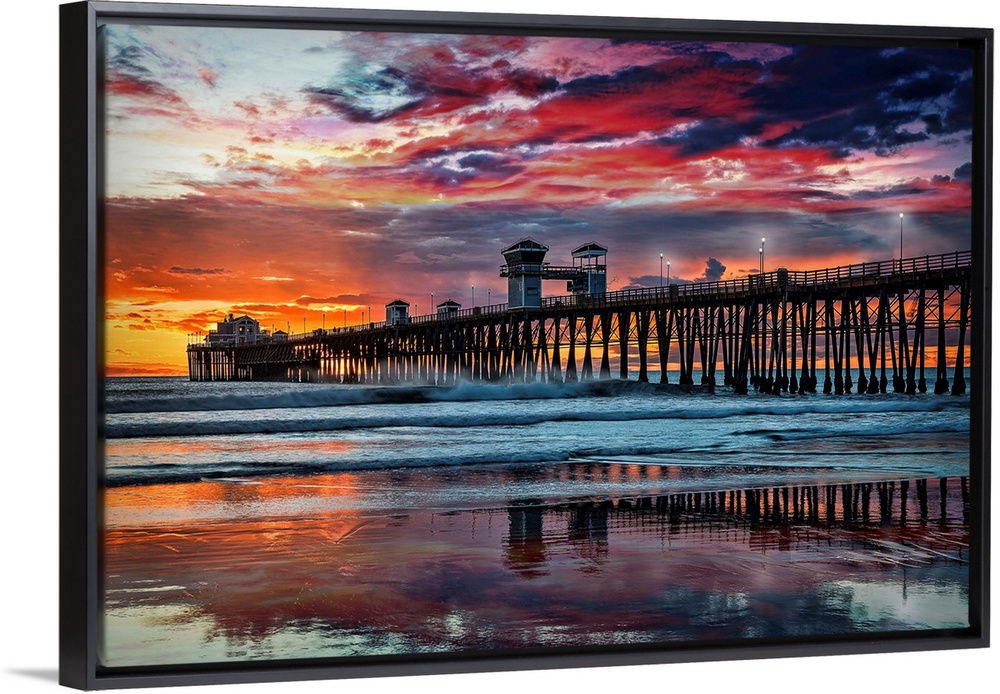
(80, 343)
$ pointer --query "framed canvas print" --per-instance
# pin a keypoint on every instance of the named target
(422, 342)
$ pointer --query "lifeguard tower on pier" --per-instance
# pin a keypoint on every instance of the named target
(397, 312)
(526, 268)
(590, 262)
(448, 309)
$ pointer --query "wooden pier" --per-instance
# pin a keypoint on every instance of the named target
(859, 504)
(901, 325)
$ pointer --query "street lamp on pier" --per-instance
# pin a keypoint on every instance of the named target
(473, 296)
(901, 242)
(762, 254)
(661, 269)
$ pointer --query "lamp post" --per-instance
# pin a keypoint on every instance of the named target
(900, 241)
(668, 272)
(661, 269)
(473, 296)
(432, 302)
(762, 254)
(324, 321)
(489, 296)
(345, 317)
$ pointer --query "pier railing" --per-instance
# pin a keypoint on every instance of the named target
(761, 282)
(776, 332)
(768, 281)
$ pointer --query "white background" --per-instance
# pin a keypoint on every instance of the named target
(29, 395)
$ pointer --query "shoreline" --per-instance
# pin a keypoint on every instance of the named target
(306, 567)
(487, 486)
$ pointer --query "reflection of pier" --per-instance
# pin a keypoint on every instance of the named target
(858, 504)
(765, 516)
(890, 322)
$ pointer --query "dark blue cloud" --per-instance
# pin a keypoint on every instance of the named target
(447, 168)
(846, 98)
(128, 59)
(712, 134)
(177, 270)
(373, 96)
(489, 164)
(379, 93)
(531, 84)
(714, 270)
(964, 172)
(855, 97)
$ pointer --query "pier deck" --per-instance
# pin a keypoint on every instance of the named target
(892, 323)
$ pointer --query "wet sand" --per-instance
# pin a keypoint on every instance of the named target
(413, 561)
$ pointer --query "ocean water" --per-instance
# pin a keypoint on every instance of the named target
(169, 430)
(281, 520)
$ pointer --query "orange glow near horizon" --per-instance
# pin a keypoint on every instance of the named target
(362, 167)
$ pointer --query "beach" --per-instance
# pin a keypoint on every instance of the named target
(351, 523)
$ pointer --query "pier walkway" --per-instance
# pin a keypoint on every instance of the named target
(900, 324)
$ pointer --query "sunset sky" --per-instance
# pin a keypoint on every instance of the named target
(288, 174)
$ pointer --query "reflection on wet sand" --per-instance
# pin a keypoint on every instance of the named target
(303, 568)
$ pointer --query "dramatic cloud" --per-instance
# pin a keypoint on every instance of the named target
(819, 88)
(289, 174)
(197, 271)
(964, 172)
(714, 271)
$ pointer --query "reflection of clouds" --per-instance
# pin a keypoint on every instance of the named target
(886, 605)
(588, 535)
(525, 552)
(304, 567)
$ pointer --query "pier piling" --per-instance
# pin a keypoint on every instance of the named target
(772, 333)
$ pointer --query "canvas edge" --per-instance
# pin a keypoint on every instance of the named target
(79, 287)
(745, 28)
(982, 340)
(77, 346)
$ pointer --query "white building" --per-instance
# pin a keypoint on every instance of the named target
(524, 271)
(397, 313)
(235, 331)
(448, 309)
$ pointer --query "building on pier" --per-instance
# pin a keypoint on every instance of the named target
(526, 268)
(397, 312)
(590, 261)
(864, 328)
(448, 309)
(236, 331)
